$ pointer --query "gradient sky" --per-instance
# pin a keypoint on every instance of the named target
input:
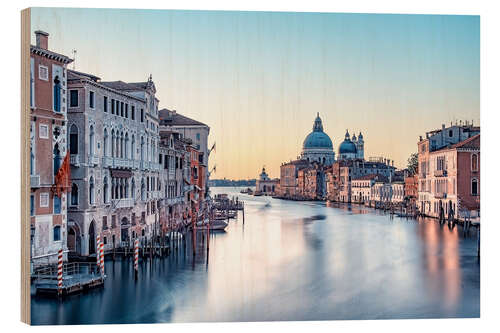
(259, 78)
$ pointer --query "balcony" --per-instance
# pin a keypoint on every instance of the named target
(440, 195)
(93, 160)
(35, 180)
(440, 173)
(144, 165)
(107, 162)
(136, 164)
(74, 159)
(123, 203)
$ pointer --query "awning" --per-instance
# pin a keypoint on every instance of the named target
(120, 173)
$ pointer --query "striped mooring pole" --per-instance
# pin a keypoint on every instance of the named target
(98, 251)
(136, 256)
(59, 271)
(101, 257)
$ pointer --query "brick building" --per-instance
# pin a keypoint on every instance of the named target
(445, 169)
(48, 132)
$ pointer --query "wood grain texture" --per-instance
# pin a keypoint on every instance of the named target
(25, 114)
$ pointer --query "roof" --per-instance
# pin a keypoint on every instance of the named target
(120, 85)
(172, 118)
(472, 142)
(73, 75)
(50, 55)
(132, 86)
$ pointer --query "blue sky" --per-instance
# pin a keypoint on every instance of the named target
(258, 78)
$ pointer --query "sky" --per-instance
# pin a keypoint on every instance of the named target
(259, 78)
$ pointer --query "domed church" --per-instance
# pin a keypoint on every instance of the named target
(318, 146)
(351, 148)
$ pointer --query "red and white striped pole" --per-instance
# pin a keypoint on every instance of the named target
(101, 255)
(136, 256)
(59, 271)
(98, 251)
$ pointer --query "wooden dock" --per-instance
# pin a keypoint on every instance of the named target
(77, 276)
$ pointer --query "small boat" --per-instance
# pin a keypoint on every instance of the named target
(257, 193)
(216, 225)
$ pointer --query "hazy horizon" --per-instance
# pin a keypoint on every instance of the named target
(259, 78)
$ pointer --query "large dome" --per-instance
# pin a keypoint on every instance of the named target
(317, 138)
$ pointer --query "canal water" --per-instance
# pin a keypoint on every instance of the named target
(290, 261)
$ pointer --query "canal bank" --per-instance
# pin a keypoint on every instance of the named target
(290, 261)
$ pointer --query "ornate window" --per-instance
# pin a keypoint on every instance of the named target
(91, 191)
(73, 139)
(57, 94)
(474, 162)
(74, 195)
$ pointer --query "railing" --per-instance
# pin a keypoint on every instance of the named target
(69, 268)
(136, 164)
(123, 203)
(440, 173)
(144, 165)
(440, 195)
(107, 162)
(93, 159)
(35, 180)
(74, 159)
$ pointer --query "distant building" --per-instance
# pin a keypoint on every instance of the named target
(266, 185)
(361, 187)
(318, 146)
(288, 177)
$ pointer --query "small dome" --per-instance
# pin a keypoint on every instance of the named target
(347, 146)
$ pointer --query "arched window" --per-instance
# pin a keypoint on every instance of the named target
(57, 158)
(142, 148)
(474, 162)
(133, 189)
(74, 195)
(57, 233)
(91, 191)
(105, 142)
(73, 139)
(91, 140)
(132, 148)
(143, 190)
(126, 188)
(57, 94)
(105, 190)
(126, 146)
(113, 148)
(474, 187)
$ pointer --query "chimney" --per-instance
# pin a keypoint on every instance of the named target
(42, 39)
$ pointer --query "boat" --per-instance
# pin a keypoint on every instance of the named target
(217, 225)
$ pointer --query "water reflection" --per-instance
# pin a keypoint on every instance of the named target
(290, 261)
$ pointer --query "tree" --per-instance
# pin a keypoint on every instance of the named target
(413, 164)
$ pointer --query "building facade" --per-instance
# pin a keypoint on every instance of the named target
(113, 141)
(49, 164)
(445, 173)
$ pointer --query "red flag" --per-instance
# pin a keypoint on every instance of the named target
(61, 180)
